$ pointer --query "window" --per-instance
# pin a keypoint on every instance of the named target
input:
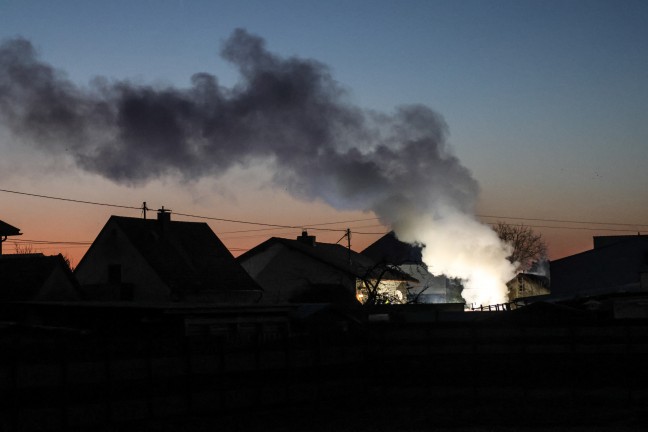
(114, 273)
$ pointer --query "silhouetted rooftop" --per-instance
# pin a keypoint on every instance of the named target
(390, 250)
(335, 255)
(187, 254)
(8, 230)
(23, 275)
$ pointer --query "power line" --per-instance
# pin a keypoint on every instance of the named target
(368, 226)
(37, 243)
(574, 228)
(371, 233)
(563, 221)
(238, 237)
(51, 242)
(344, 222)
(256, 223)
(70, 200)
(248, 231)
(316, 226)
(235, 221)
(176, 213)
(41, 247)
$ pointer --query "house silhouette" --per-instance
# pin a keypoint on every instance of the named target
(36, 277)
(7, 230)
(304, 270)
(161, 260)
(616, 264)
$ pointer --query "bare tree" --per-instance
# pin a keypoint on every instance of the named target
(24, 248)
(28, 249)
(528, 246)
(373, 288)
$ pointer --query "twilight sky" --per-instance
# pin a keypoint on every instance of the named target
(546, 104)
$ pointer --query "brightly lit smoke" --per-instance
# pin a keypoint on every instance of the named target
(458, 246)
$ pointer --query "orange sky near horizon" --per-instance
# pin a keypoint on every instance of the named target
(41, 219)
(50, 220)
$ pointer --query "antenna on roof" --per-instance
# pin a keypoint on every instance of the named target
(144, 208)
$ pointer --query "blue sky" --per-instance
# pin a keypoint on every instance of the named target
(546, 101)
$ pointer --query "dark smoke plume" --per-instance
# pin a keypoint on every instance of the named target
(288, 111)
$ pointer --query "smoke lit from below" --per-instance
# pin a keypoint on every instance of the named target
(458, 246)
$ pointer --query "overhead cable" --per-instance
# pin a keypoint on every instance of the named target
(563, 221)
(70, 200)
(318, 225)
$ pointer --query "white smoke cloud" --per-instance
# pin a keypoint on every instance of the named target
(458, 246)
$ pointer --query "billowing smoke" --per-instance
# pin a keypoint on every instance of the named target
(289, 111)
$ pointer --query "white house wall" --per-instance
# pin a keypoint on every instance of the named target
(392, 288)
(284, 273)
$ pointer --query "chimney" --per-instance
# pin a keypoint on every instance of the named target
(306, 239)
(164, 218)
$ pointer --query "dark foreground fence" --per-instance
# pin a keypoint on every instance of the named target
(371, 376)
(509, 374)
(126, 367)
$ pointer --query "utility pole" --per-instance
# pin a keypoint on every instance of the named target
(144, 208)
(348, 236)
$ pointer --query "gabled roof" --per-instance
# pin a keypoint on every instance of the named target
(23, 275)
(334, 255)
(186, 255)
(390, 250)
(8, 230)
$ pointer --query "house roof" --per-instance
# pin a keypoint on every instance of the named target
(389, 249)
(23, 275)
(185, 255)
(334, 255)
(8, 230)
(614, 266)
(604, 241)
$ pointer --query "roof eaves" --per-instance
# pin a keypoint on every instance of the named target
(8, 230)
